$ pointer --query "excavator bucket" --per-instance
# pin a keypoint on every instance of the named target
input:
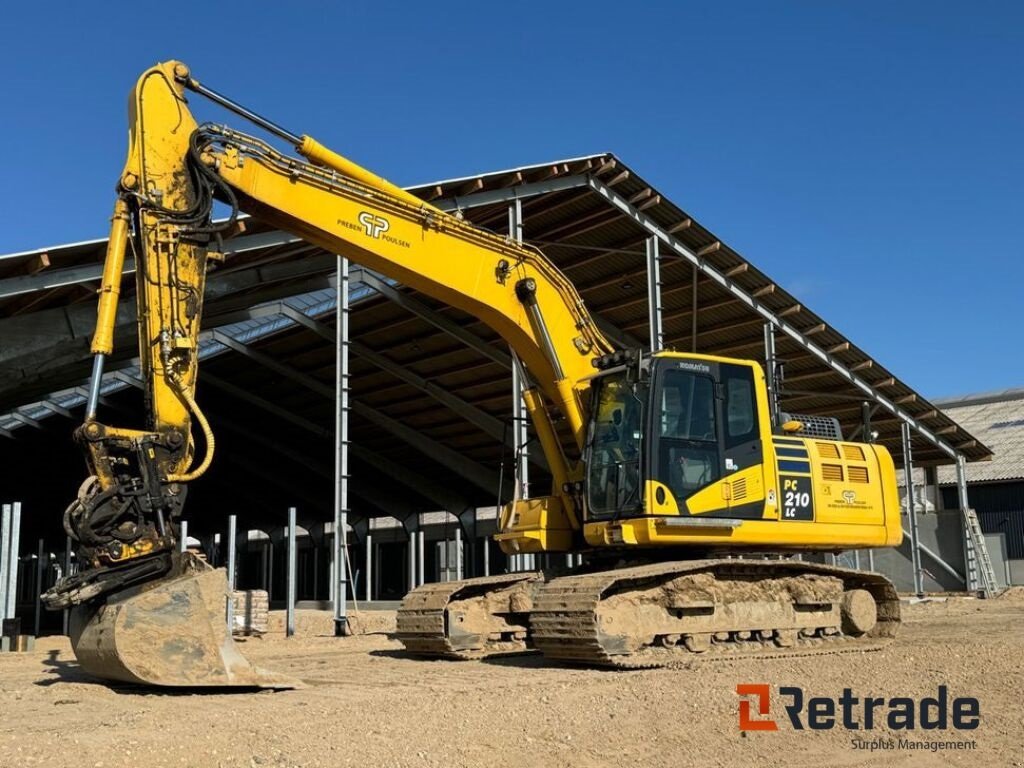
(171, 632)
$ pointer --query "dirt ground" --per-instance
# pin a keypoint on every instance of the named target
(366, 704)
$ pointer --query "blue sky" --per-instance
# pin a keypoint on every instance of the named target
(866, 155)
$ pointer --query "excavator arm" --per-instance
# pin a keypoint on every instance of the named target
(125, 516)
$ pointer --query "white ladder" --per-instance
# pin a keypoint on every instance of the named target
(979, 564)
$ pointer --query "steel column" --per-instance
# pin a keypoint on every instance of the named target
(183, 540)
(40, 573)
(66, 618)
(232, 545)
(369, 566)
(270, 569)
(908, 478)
(520, 427)
(487, 556)
(5, 558)
(341, 449)
(654, 294)
(770, 378)
(12, 562)
(411, 557)
(458, 552)
(421, 542)
(693, 312)
(290, 576)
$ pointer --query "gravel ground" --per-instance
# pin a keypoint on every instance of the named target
(366, 704)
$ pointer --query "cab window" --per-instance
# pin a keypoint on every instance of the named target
(740, 411)
(688, 455)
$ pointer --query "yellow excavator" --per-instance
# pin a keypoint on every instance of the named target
(689, 502)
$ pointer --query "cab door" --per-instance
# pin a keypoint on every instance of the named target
(741, 441)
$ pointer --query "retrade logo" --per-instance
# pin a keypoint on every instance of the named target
(761, 693)
(375, 226)
(854, 713)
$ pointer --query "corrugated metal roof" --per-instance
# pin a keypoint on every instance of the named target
(997, 419)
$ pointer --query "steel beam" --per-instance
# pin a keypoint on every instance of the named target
(436, 319)
(510, 194)
(474, 472)
(421, 485)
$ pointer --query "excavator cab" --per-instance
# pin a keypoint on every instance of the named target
(668, 427)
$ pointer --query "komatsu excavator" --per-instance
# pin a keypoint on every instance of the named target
(690, 505)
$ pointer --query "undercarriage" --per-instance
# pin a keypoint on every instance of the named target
(655, 614)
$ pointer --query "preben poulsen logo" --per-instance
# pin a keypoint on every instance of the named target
(855, 713)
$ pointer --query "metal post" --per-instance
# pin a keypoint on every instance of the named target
(458, 552)
(770, 377)
(693, 313)
(522, 436)
(411, 534)
(519, 416)
(5, 556)
(871, 560)
(316, 571)
(12, 567)
(290, 576)
(341, 451)
(420, 565)
(487, 556)
(369, 565)
(270, 569)
(654, 294)
(40, 574)
(232, 545)
(67, 572)
(865, 417)
(183, 542)
(915, 544)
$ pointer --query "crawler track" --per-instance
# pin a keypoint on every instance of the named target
(425, 627)
(565, 621)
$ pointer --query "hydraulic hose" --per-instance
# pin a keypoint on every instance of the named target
(193, 406)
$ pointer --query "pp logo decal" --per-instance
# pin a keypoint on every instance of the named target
(849, 496)
(375, 226)
(760, 692)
